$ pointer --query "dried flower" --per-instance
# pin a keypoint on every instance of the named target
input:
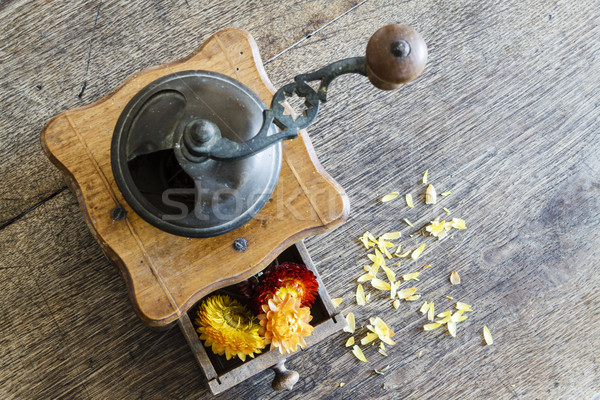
(295, 279)
(285, 324)
(228, 327)
(437, 228)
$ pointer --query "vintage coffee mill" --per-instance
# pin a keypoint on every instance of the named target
(190, 184)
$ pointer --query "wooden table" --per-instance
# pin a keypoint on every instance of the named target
(506, 116)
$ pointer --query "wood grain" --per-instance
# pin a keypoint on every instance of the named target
(167, 274)
(49, 49)
(505, 115)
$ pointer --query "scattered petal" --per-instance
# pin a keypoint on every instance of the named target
(424, 308)
(414, 297)
(369, 338)
(425, 176)
(379, 284)
(449, 297)
(396, 304)
(447, 211)
(350, 341)
(409, 200)
(420, 354)
(463, 306)
(365, 277)
(389, 197)
(404, 254)
(397, 252)
(337, 301)
(366, 241)
(432, 326)
(360, 295)
(372, 269)
(446, 193)
(393, 289)
(351, 327)
(452, 328)
(430, 312)
(391, 275)
(380, 328)
(382, 352)
(430, 195)
(487, 335)
(444, 314)
(342, 384)
(458, 223)
(427, 266)
(358, 353)
(417, 252)
(390, 236)
(406, 293)
(411, 276)
(454, 278)
(456, 317)
(409, 223)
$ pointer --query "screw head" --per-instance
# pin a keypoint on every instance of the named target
(118, 213)
(400, 48)
(240, 244)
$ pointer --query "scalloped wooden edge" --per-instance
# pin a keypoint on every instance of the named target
(55, 143)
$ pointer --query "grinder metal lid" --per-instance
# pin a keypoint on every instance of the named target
(154, 163)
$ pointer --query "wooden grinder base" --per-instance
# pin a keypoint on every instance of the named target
(167, 274)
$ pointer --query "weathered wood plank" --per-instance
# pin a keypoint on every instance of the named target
(49, 49)
(505, 116)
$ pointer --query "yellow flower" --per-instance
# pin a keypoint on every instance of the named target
(228, 327)
(284, 324)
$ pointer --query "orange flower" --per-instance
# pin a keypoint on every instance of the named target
(284, 323)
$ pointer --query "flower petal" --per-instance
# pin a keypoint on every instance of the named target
(454, 278)
(389, 197)
(337, 301)
(432, 326)
(358, 353)
(430, 195)
(351, 327)
(487, 335)
(417, 252)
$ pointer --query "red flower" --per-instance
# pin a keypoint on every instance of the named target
(285, 278)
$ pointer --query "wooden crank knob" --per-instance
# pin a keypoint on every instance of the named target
(396, 54)
(284, 379)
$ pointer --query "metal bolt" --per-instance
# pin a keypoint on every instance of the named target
(400, 48)
(118, 213)
(240, 244)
